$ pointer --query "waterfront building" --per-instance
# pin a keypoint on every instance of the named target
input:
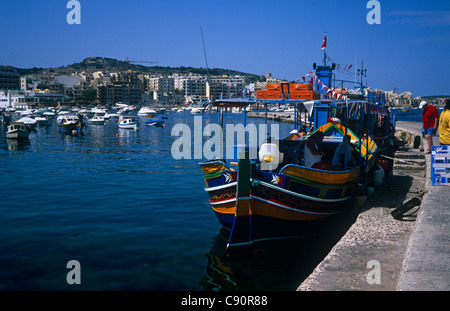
(9, 78)
(44, 98)
(27, 84)
(194, 88)
(116, 92)
(165, 99)
(23, 100)
(224, 86)
(161, 84)
(12, 99)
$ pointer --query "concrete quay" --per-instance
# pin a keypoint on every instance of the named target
(406, 255)
(426, 266)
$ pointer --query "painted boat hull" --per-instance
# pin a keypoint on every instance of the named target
(69, 128)
(17, 131)
(17, 134)
(132, 126)
(293, 202)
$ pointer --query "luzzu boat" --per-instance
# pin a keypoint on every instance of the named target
(68, 123)
(274, 195)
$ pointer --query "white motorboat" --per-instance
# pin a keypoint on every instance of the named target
(49, 113)
(42, 120)
(196, 110)
(108, 116)
(97, 120)
(28, 121)
(17, 130)
(128, 123)
(99, 111)
(147, 111)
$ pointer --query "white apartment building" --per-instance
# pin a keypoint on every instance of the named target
(161, 84)
(15, 99)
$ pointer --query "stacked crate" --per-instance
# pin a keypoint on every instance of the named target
(290, 91)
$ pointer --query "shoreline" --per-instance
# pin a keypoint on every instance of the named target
(400, 247)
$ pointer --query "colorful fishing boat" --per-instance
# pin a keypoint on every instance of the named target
(274, 194)
(69, 123)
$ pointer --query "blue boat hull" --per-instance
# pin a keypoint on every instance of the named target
(69, 128)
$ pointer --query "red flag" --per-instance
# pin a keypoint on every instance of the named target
(324, 43)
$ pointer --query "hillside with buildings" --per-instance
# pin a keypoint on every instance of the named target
(107, 81)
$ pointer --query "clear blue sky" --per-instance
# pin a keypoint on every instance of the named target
(409, 50)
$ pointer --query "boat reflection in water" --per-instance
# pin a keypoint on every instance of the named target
(277, 265)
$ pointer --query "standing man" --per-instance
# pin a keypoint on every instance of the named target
(430, 118)
(444, 125)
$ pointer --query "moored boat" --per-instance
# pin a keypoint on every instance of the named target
(97, 120)
(155, 123)
(17, 131)
(128, 123)
(276, 193)
(29, 122)
(42, 120)
(147, 111)
(69, 123)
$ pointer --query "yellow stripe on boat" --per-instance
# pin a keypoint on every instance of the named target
(321, 177)
(212, 168)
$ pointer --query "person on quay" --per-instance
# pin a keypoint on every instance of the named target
(430, 118)
(444, 125)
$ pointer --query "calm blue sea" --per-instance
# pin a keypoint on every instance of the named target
(134, 218)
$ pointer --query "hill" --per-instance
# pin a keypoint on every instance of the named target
(97, 63)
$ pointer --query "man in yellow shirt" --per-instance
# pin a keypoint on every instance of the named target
(444, 125)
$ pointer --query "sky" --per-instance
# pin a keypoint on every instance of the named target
(407, 51)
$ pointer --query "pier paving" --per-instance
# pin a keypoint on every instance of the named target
(412, 255)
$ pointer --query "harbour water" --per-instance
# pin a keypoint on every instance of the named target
(134, 218)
